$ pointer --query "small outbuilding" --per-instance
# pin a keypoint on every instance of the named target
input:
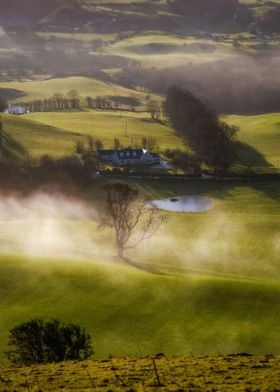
(16, 109)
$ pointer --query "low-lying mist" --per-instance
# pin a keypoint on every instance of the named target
(240, 83)
(58, 227)
(47, 225)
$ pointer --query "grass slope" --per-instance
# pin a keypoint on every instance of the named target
(214, 286)
(85, 86)
(239, 236)
(129, 312)
(230, 373)
(262, 132)
(39, 139)
(57, 133)
(163, 50)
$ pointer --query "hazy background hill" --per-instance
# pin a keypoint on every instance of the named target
(224, 51)
(124, 15)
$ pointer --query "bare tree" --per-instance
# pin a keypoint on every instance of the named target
(116, 144)
(153, 107)
(129, 216)
(90, 143)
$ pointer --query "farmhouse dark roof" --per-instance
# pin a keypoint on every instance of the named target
(127, 153)
(130, 153)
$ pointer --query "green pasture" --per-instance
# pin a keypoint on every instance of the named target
(129, 312)
(205, 283)
(157, 48)
(262, 134)
(38, 139)
(56, 133)
(44, 89)
(161, 50)
(239, 236)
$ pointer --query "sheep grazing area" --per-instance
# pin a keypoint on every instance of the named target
(240, 372)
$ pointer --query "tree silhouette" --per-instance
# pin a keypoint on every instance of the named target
(3, 104)
(200, 126)
(129, 216)
(38, 341)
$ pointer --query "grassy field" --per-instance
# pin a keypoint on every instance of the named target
(57, 133)
(44, 89)
(165, 50)
(262, 132)
(129, 312)
(160, 50)
(230, 373)
(206, 283)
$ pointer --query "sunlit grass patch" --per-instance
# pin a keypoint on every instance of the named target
(235, 373)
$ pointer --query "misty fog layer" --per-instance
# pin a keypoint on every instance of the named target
(60, 228)
(239, 84)
(45, 225)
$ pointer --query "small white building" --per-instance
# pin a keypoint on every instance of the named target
(16, 109)
(128, 156)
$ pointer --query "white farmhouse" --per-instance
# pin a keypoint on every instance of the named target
(128, 157)
(16, 109)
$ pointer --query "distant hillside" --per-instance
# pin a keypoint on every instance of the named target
(122, 15)
(23, 12)
(136, 15)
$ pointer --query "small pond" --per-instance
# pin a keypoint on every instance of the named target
(183, 204)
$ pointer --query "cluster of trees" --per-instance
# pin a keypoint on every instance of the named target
(190, 163)
(38, 341)
(154, 108)
(208, 136)
(101, 103)
(147, 143)
(70, 101)
(90, 145)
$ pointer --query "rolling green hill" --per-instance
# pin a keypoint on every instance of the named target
(57, 133)
(44, 89)
(129, 312)
(205, 283)
(261, 132)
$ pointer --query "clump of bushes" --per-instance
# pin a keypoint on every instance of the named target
(39, 341)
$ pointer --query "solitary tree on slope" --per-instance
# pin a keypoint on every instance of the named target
(131, 220)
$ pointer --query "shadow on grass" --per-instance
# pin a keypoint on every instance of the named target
(145, 268)
(11, 93)
(128, 101)
(248, 156)
(12, 150)
(153, 121)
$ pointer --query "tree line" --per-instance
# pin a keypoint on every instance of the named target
(210, 138)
